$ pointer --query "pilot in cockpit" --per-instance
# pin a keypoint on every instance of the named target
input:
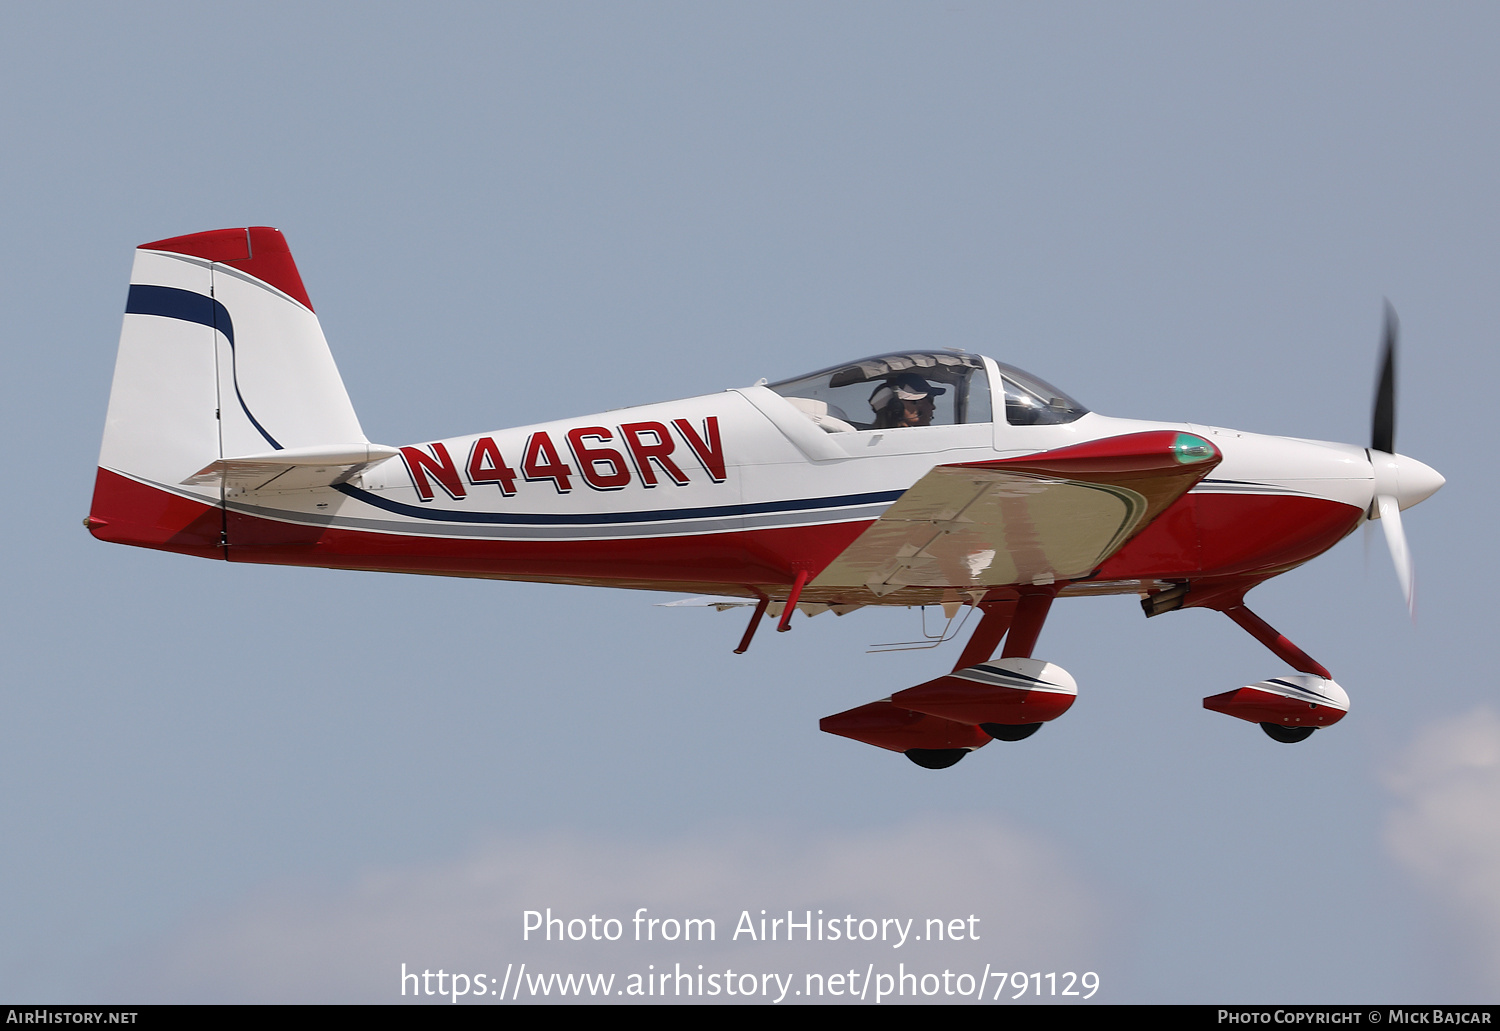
(905, 400)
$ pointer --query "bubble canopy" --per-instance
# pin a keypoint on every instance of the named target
(923, 388)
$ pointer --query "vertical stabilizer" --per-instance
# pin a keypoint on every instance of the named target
(220, 356)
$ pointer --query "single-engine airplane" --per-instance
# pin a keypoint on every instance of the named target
(928, 477)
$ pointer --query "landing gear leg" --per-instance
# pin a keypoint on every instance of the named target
(1031, 613)
(1267, 635)
(998, 616)
(1289, 707)
(1019, 622)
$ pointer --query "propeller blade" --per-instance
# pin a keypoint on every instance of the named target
(1395, 539)
(1383, 423)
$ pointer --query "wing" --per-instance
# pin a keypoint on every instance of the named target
(1037, 519)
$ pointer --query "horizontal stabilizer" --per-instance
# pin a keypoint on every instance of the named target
(293, 468)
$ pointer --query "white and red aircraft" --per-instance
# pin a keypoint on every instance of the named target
(920, 478)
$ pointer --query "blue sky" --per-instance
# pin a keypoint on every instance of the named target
(273, 784)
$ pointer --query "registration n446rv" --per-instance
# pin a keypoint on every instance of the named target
(920, 478)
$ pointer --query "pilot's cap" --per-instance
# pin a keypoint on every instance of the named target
(906, 387)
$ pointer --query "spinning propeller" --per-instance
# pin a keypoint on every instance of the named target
(1400, 482)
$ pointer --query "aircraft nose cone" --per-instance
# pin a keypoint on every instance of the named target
(1415, 481)
(1409, 480)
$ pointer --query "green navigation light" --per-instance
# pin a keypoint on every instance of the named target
(1188, 448)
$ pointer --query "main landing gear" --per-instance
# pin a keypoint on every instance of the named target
(1006, 699)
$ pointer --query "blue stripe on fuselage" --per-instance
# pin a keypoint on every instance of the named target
(445, 515)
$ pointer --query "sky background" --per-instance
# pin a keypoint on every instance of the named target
(268, 784)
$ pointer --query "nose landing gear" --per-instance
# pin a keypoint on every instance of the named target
(1290, 707)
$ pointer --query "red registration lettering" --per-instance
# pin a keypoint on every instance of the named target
(645, 453)
(603, 468)
(487, 466)
(542, 462)
(440, 464)
(708, 448)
